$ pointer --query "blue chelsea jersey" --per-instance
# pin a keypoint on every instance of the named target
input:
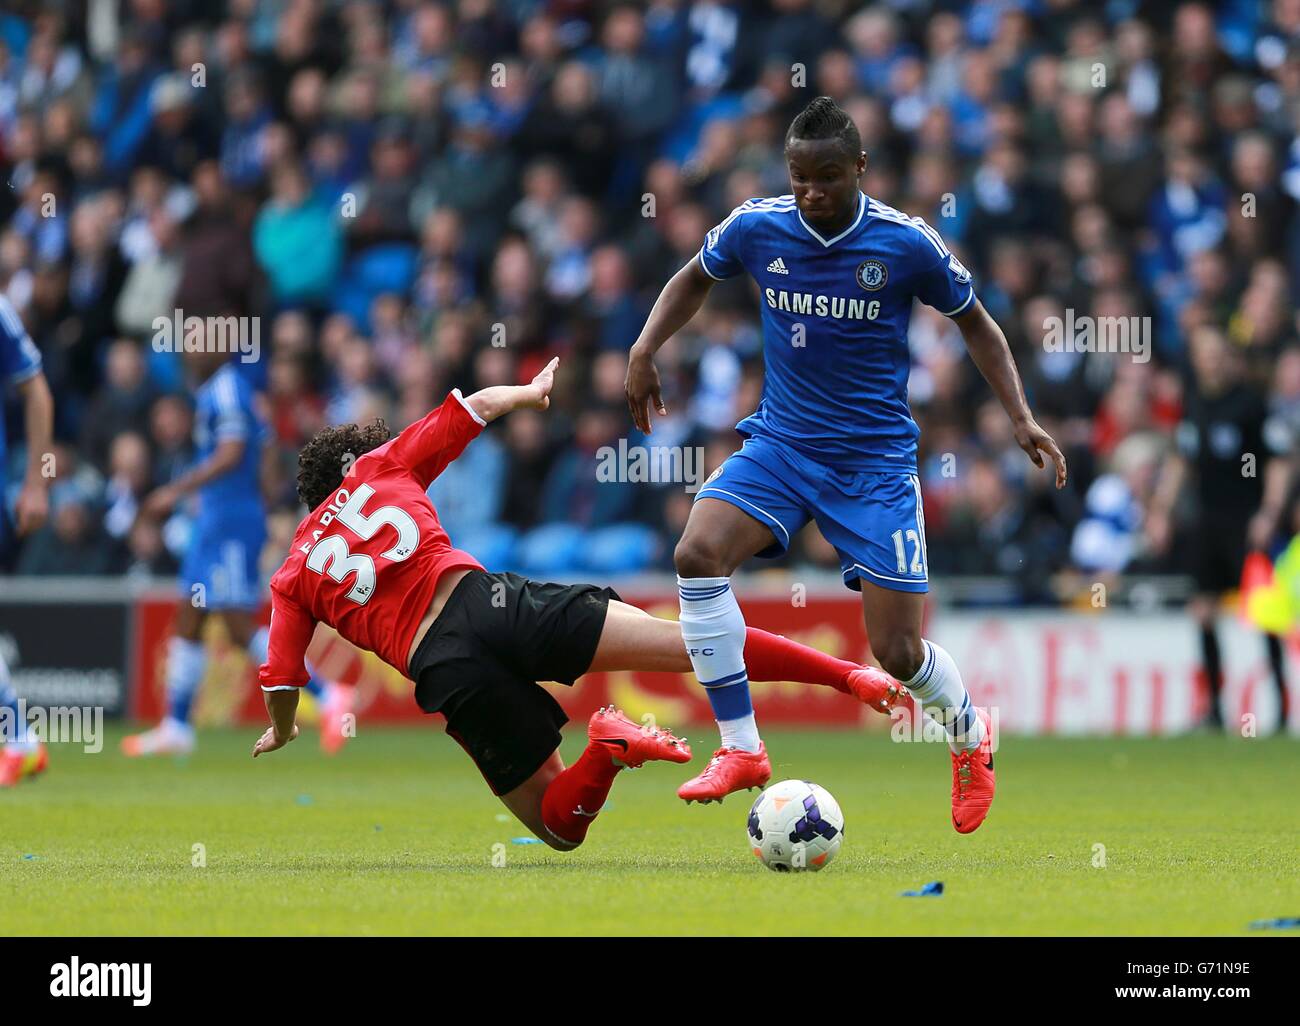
(224, 410)
(20, 361)
(835, 318)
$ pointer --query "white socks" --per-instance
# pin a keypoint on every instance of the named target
(938, 688)
(713, 629)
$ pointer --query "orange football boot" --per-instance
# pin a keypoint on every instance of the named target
(875, 688)
(11, 766)
(631, 744)
(730, 769)
(19, 763)
(973, 782)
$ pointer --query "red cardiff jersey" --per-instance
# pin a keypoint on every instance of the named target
(367, 560)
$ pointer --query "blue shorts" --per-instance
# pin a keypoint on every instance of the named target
(873, 519)
(223, 558)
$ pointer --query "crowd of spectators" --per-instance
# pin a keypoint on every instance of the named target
(417, 195)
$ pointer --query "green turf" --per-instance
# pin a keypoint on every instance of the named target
(397, 834)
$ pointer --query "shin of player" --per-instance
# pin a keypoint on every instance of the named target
(713, 629)
(717, 539)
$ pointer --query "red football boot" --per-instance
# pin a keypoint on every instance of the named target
(875, 688)
(632, 744)
(973, 782)
(11, 765)
(730, 769)
(22, 762)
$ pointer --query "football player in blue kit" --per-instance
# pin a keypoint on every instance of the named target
(832, 440)
(220, 572)
(22, 756)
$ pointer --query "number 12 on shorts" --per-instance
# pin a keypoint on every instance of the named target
(910, 537)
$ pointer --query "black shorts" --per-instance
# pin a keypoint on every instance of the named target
(1218, 552)
(480, 661)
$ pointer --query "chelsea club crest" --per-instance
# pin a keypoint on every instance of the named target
(872, 275)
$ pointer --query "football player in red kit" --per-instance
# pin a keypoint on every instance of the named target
(373, 562)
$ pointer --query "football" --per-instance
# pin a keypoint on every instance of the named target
(795, 825)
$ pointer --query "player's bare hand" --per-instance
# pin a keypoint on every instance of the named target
(33, 508)
(543, 384)
(1260, 530)
(1038, 443)
(268, 742)
(160, 502)
(1158, 531)
(642, 387)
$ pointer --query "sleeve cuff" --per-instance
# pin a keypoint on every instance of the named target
(26, 374)
(468, 408)
(969, 297)
(282, 687)
(705, 265)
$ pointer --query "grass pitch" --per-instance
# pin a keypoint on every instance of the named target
(399, 835)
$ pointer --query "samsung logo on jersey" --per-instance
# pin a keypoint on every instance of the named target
(817, 305)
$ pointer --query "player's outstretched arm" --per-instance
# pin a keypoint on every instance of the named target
(988, 348)
(679, 301)
(498, 400)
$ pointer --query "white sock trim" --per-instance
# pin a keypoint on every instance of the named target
(938, 688)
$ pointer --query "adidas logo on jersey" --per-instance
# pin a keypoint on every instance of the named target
(777, 266)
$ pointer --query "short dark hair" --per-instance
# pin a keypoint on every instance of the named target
(823, 118)
(328, 456)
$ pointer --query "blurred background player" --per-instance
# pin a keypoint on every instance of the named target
(1234, 460)
(220, 575)
(833, 439)
(22, 756)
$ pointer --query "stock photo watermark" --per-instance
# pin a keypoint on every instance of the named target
(178, 333)
(55, 724)
(75, 978)
(907, 724)
(655, 464)
(1083, 333)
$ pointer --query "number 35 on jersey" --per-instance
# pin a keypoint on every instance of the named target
(330, 555)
